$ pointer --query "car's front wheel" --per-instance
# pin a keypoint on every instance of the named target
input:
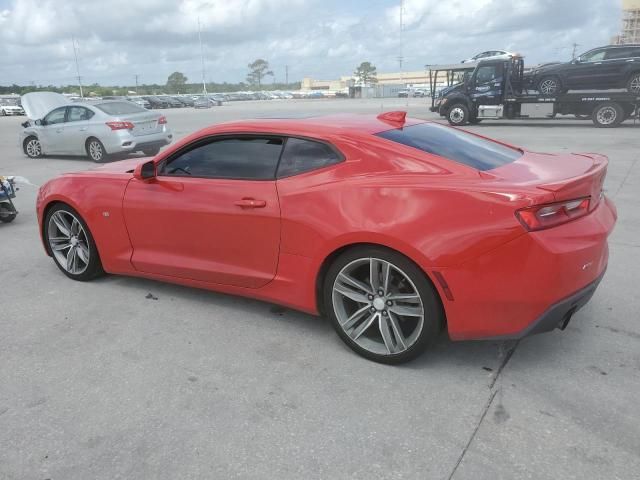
(458, 114)
(381, 304)
(32, 147)
(71, 244)
(96, 151)
(633, 85)
(549, 86)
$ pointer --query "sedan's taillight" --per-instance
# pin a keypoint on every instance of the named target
(120, 125)
(550, 215)
(162, 120)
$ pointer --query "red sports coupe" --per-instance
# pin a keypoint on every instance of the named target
(394, 228)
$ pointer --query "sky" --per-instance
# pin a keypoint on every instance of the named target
(322, 39)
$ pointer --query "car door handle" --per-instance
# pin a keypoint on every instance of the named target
(59, 130)
(250, 203)
(84, 129)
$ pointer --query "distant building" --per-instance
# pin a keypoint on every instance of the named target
(630, 23)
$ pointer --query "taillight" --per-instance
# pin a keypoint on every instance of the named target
(162, 120)
(550, 215)
(120, 125)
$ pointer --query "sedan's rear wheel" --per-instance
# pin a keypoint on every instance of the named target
(96, 151)
(70, 243)
(32, 147)
(381, 304)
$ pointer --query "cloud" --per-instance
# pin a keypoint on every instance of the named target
(319, 38)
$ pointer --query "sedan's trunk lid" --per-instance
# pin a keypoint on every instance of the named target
(37, 104)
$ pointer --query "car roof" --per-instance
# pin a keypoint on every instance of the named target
(315, 126)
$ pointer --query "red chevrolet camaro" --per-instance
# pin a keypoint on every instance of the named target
(394, 228)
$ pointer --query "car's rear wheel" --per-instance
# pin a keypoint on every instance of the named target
(381, 304)
(151, 152)
(2, 112)
(96, 151)
(607, 115)
(458, 114)
(70, 243)
(32, 147)
(549, 85)
(633, 85)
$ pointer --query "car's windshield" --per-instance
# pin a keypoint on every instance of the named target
(120, 108)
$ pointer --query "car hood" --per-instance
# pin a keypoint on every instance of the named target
(37, 104)
(453, 88)
(122, 166)
(549, 68)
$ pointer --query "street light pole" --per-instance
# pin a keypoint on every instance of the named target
(75, 54)
(204, 84)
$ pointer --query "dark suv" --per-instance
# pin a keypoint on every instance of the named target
(615, 66)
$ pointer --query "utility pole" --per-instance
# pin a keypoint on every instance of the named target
(136, 75)
(286, 75)
(75, 54)
(573, 54)
(204, 84)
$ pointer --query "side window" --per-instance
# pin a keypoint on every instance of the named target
(593, 56)
(247, 158)
(56, 116)
(304, 155)
(617, 53)
(77, 114)
(486, 74)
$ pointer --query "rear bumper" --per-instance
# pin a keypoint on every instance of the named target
(531, 283)
(558, 315)
(125, 142)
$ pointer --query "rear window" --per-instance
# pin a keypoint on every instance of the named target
(454, 145)
(120, 108)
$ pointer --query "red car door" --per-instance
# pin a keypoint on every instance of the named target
(211, 214)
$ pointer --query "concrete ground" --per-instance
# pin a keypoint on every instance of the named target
(123, 378)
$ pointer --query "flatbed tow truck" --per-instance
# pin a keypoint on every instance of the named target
(496, 89)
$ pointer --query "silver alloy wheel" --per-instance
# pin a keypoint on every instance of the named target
(607, 115)
(95, 151)
(634, 85)
(33, 148)
(549, 86)
(456, 115)
(378, 306)
(68, 242)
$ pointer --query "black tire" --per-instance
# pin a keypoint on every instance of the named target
(6, 214)
(549, 85)
(458, 114)
(151, 152)
(433, 315)
(633, 85)
(96, 151)
(32, 147)
(607, 115)
(94, 267)
(2, 113)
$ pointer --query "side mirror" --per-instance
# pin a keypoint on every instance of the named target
(39, 122)
(145, 171)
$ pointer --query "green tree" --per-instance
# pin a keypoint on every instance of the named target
(176, 82)
(366, 74)
(257, 71)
